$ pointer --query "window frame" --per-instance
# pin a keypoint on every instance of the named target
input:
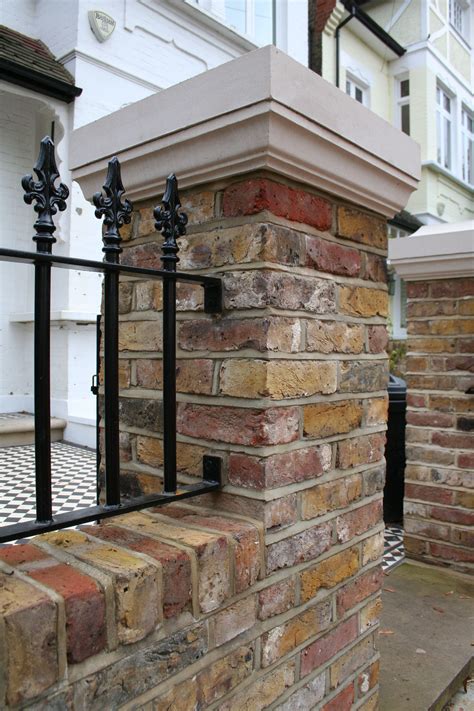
(467, 146)
(403, 101)
(217, 9)
(445, 148)
(357, 85)
(458, 12)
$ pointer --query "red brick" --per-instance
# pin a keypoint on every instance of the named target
(263, 334)
(451, 515)
(356, 522)
(417, 290)
(430, 419)
(176, 564)
(452, 288)
(85, 609)
(436, 495)
(326, 647)
(375, 268)
(466, 460)
(278, 469)
(239, 425)
(452, 553)
(453, 440)
(378, 339)
(247, 545)
(360, 450)
(346, 665)
(341, 702)
(235, 620)
(331, 257)
(354, 592)
(145, 256)
(20, 554)
(415, 400)
(252, 196)
(276, 599)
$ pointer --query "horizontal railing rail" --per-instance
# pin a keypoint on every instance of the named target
(171, 223)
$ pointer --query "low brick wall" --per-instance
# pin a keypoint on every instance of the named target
(267, 594)
(439, 502)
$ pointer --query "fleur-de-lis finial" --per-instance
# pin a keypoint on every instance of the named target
(171, 223)
(115, 212)
(49, 198)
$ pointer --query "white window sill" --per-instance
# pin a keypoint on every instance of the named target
(437, 168)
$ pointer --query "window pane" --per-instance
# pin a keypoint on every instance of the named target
(405, 116)
(263, 22)
(359, 95)
(405, 87)
(403, 304)
(348, 87)
(470, 162)
(447, 143)
(235, 14)
(438, 96)
(447, 103)
(438, 137)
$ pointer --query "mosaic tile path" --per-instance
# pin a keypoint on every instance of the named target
(393, 546)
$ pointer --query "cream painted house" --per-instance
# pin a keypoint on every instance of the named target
(412, 62)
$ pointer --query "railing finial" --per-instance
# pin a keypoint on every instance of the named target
(171, 223)
(49, 198)
(115, 212)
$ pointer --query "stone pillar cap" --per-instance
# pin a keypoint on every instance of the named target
(441, 251)
(262, 111)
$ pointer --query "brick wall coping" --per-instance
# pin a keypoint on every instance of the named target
(435, 252)
(261, 111)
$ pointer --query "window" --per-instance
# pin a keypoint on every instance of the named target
(248, 17)
(467, 147)
(444, 128)
(357, 91)
(403, 102)
(397, 292)
(459, 16)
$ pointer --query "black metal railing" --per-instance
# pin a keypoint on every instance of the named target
(49, 198)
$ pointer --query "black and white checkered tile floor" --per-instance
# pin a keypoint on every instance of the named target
(393, 552)
(73, 480)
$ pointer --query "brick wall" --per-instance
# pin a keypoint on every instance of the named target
(439, 502)
(267, 594)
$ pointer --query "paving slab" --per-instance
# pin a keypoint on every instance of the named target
(427, 636)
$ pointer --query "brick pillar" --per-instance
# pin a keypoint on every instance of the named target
(439, 504)
(288, 385)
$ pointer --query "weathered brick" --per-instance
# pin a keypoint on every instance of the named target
(30, 624)
(429, 455)
(451, 553)
(369, 615)
(466, 307)
(330, 496)
(343, 701)
(252, 196)
(263, 288)
(85, 609)
(465, 460)
(417, 290)
(175, 562)
(224, 675)
(235, 619)
(361, 301)
(362, 376)
(376, 411)
(263, 692)
(432, 345)
(299, 548)
(281, 512)
(375, 268)
(377, 339)
(145, 256)
(20, 554)
(361, 227)
(263, 334)
(133, 675)
(430, 308)
(198, 206)
(150, 451)
(427, 529)
(277, 379)
(211, 551)
(332, 257)
(357, 590)
(360, 450)
(239, 425)
(279, 469)
(285, 638)
(433, 494)
(429, 419)
(356, 522)
(452, 288)
(334, 337)
(181, 697)
(306, 696)
(141, 413)
(372, 548)
(192, 376)
(328, 573)
(247, 554)
(148, 296)
(329, 418)
(346, 665)
(125, 297)
(140, 336)
(453, 440)
(276, 599)
(368, 678)
(374, 480)
(319, 652)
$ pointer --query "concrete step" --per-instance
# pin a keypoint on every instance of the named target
(18, 428)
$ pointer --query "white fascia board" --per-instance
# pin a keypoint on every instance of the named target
(443, 251)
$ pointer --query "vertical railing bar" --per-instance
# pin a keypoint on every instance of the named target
(172, 224)
(48, 199)
(115, 214)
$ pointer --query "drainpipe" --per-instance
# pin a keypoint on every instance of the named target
(338, 29)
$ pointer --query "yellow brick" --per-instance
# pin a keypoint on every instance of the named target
(329, 573)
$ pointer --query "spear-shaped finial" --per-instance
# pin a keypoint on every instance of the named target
(49, 198)
(115, 212)
(171, 223)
